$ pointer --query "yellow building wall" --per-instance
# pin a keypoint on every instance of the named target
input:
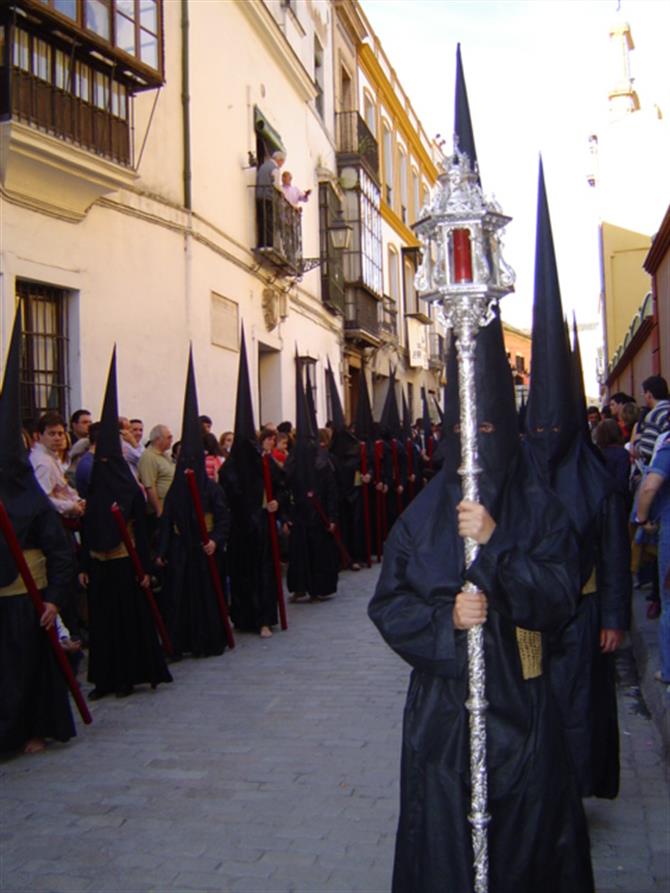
(625, 280)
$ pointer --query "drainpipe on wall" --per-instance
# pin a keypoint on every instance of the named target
(186, 103)
(186, 141)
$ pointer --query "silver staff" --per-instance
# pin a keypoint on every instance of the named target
(463, 272)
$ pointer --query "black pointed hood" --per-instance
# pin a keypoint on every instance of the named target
(242, 473)
(344, 445)
(178, 500)
(245, 428)
(309, 399)
(427, 423)
(578, 382)
(112, 480)
(14, 462)
(406, 419)
(551, 424)
(363, 424)
(462, 121)
(390, 419)
(300, 465)
(496, 407)
(21, 495)
(335, 402)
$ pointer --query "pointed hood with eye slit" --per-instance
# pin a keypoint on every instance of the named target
(20, 493)
(390, 419)
(551, 423)
(496, 407)
(242, 471)
(112, 480)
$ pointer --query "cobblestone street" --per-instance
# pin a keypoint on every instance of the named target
(272, 768)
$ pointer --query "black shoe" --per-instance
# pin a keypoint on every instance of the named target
(95, 694)
(124, 691)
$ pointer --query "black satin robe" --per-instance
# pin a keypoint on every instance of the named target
(189, 601)
(538, 840)
(314, 559)
(249, 558)
(33, 693)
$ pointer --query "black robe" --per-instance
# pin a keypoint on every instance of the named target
(124, 645)
(33, 692)
(313, 555)
(253, 582)
(582, 678)
(538, 840)
(189, 602)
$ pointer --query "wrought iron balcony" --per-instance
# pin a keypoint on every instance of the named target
(361, 316)
(388, 313)
(278, 232)
(356, 143)
(437, 349)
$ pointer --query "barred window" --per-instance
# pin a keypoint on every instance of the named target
(44, 381)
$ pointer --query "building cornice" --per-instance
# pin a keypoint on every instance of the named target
(659, 246)
(278, 47)
(405, 233)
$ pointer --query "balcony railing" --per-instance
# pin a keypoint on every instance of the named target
(361, 316)
(356, 142)
(388, 313)
(42, 104)
(437, 348)
(278, 231)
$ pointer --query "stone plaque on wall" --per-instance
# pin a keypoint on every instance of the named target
(224, 322)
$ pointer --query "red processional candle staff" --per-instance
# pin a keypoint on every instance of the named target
(396, 474)
(274, 540)
(38, 603)
(211, 560)
(366, 504)
(331, 527)
(380, 498)
(409, 450)
(140, 574)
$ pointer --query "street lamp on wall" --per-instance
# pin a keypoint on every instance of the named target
(339, 235)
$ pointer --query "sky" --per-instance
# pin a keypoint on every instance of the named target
(537, 75)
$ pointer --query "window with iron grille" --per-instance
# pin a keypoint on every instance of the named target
(44, 379)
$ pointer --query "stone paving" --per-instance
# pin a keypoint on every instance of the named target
(273, 768)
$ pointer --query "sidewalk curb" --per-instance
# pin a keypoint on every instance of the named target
(656, 695)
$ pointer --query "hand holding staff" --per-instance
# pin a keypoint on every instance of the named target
(331, 527)
(211, 560)
(38, 603)
(140, 574)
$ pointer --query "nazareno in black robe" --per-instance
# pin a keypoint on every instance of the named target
(33, 692)
(313, 555)
(124, 645)
(583, 679)
(249, 557)
(538, 840)
(189, 601)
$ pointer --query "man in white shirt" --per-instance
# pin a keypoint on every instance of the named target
(45, 459)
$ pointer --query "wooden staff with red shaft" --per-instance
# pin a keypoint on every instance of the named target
(344, 555)
(379, 450)
(274, 540)
(211, 561)
(366, 504)
(140, 574)
(409, 449)
(396, 474)
(38, 603)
